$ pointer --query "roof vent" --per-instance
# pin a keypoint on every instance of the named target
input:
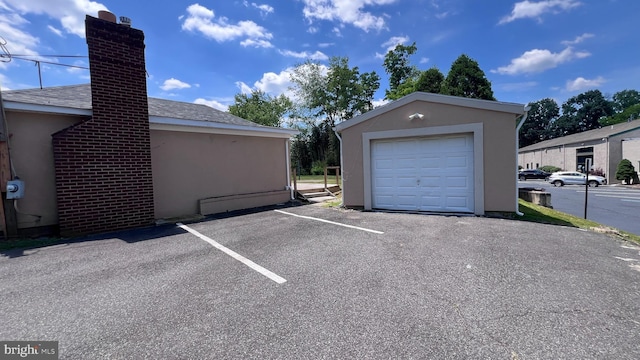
(125, 21)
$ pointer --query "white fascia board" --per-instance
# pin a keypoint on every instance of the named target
(209, 127)
(517, 109)
(18, 106)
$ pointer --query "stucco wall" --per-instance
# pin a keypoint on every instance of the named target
(498, 138)
(188, 167)
(631, 151)
(32, 158)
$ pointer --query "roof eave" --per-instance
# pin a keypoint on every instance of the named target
(513, 108)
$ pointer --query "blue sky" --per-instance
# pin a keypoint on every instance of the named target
(207, 51)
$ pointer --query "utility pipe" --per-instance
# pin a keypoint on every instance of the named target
(522, 120)
(288, 160)
(341, 166)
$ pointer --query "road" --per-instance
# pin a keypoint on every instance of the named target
(358, 285)
(610, 205)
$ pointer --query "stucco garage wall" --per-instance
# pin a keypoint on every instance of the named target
(498, 139)
(32, 157)
(188, 167)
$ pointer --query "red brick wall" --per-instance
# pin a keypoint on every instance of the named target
(103, 165)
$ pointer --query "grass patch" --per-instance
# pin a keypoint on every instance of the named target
(544, 215)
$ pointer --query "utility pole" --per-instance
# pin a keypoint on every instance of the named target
(586, 186)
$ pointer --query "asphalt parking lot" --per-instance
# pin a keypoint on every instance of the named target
(297, 284)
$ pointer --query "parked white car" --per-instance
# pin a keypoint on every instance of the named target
(575, 178)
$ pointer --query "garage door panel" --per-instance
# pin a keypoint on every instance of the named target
(426, 174)
(457, 161)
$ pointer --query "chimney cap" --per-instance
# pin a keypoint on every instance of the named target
(106, 15)
(125, 21)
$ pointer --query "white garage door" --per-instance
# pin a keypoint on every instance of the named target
(423, 174)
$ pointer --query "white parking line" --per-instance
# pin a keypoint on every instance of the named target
(630, 200)
(330, 222)
(235, 255)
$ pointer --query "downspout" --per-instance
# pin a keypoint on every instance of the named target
(522, 120)
(288, 161)
(341, 166)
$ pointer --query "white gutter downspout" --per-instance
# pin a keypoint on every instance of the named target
(341, 167)
(288, 160)
(522, 120)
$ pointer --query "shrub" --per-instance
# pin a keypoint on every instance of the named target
(317, 168)
(626, 171)
(550, 168)
(598, 172)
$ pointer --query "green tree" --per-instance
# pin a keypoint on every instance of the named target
(398, 66)
(261, 108)
(430, 81)
(581, 113)
(466, 79)
(626, 172)
(335, 93)
(630, 113)
(624, 99)
(537, 126)
(326, 96)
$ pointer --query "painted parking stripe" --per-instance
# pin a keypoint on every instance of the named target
(329, 222)
(630, 200)
(235, 255)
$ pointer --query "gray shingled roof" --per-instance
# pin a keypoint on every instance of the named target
(79, 97)
(595, 134)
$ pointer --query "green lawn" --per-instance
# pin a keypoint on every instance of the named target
(541, 214)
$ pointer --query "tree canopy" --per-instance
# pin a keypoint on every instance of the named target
(466, 79)
(582, 112)
(261, 108)
(335, 93)
(537, 127)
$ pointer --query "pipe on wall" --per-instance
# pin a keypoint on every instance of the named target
(341, 166)
(522, 120)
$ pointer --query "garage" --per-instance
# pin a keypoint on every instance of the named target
(423, 174)
(432, 153)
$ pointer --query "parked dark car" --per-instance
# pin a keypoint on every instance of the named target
(533, 174)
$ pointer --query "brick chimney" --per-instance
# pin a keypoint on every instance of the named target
(103, 165)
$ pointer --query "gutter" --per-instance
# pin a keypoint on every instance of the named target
(522, 120)
(341, 166)
(288, 161)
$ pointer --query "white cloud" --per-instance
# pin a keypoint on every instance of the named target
(424, 60)
(172, 84)
(325, 45)
(578, 39)
(70, 13)
(394, 41)
(200, 19)
(336, 31)
(264, 8)
(531, 9)
(346, 12)
(55, 30)
(244, 88)
(318, 55)
(391, 44)
(256, 43)
(380, 102)
(536, 60)
(581, 84)
(212, 103)
(312, 30)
